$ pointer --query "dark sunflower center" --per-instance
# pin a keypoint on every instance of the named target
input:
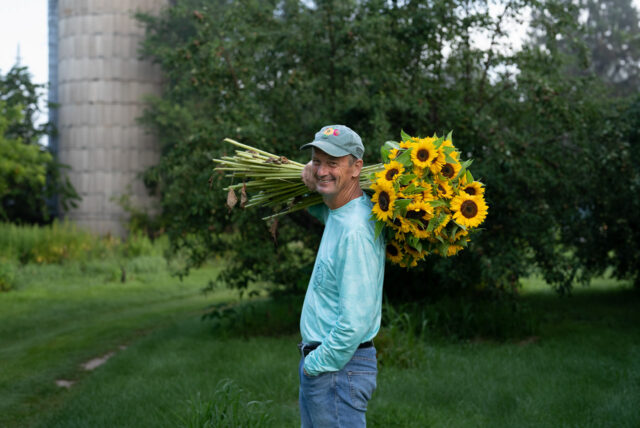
(383, 201)
(470, 190)
(447, 170)
(416, 214)
(392, 250)
(391, 173)
(423, 224)
(442, 189)
(423, 155)
(469, 209)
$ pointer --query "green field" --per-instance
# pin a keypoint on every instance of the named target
(581, 368)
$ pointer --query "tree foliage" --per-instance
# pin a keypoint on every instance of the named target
(29, 174)
(605, 36)
(271, 73)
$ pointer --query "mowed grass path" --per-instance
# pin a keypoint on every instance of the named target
(61, 317)
(581, 370)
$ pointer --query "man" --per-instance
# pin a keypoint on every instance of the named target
(342, 308)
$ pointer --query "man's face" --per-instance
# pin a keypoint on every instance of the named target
(333, 174)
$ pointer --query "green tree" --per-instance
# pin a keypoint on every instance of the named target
(29, 174)
(607, 39)
(271, 73)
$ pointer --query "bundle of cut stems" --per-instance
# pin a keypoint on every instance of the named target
(272, 180)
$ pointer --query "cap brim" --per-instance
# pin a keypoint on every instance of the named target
(327, 147)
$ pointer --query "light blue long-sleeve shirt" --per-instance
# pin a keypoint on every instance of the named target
(343, 304)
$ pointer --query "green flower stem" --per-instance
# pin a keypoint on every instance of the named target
(275, 182)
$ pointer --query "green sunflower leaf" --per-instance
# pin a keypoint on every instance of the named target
(448, 158)
(466, 164)
(378, 228)
(405, 158)
(437, 203)
(461, 226)
(409, 190)
(450, 136)
(444, 248)
(391, 145)
(404, 135)
(384, 153)
(406, 179)
(469, 177)
(402, 203)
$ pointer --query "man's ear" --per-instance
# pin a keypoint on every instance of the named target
(357, 165)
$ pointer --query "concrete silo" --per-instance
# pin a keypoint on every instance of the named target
(99, 82)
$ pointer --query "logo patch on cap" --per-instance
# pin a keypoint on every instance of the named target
(328, 131)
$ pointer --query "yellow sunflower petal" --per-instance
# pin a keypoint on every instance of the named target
(469, 211)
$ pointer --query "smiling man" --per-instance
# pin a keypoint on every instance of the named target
(342, 308)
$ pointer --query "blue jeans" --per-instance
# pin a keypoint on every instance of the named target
(339, 399)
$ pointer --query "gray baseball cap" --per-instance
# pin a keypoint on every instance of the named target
(337, 141)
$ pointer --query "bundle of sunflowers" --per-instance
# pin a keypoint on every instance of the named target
(425, 199)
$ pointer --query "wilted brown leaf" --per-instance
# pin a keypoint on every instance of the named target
(232, 199)
(274, 231)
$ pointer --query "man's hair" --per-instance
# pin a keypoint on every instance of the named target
(352, 159)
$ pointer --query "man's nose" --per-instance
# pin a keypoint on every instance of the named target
(322, 170)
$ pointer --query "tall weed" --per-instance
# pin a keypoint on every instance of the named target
(228, 408)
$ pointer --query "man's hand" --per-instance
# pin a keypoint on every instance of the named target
(308, 176)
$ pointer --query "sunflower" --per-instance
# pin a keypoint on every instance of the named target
(442, 225)
(472, 189)
(399, 236)
(427, 193)
(408, 262)
(417, 255)
(418, 172)
(392, 171)
(443, 189)
(400, 224)
(393, 153)
(423, 153)
(419, 210)
(450, 169)
(452, 250)
(384, 199)
(469, 211)
(437, 163)
(394, 252)
(461, 233)
(407, 144)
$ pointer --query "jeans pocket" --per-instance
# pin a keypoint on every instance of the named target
(361, 387)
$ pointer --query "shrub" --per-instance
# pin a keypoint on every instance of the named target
(257, 318)
(7, 275)
(406, 326)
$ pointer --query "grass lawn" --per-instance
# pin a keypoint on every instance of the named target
(61, 317)
(582, 369)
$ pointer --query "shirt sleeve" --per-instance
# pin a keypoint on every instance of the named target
(357, 272)
(319, 211)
